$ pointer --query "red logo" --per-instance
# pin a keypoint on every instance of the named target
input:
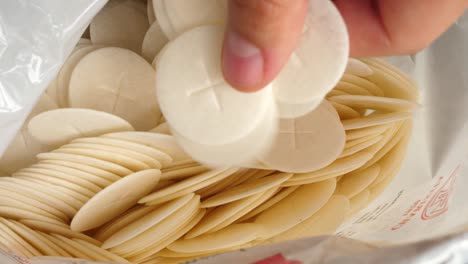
(438, 204)
(277, 259)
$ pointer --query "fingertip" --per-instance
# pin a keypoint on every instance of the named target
(242, 63)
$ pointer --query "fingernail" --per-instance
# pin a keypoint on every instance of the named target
(242, 62)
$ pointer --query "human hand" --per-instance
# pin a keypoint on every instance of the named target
(263, 33)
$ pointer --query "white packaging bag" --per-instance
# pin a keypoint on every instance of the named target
(422, 216)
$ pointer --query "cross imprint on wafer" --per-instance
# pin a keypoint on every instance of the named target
(296, 60)
(118, 95)
(290, 127)
(210, 87)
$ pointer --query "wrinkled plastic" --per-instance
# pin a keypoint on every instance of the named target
(410, 223)
(36, 36)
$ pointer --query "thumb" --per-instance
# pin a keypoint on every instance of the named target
(260, 37)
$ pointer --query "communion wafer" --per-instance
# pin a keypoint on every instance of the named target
(321, 55)
(137, 227)
(302, 144)
(307, 200)
(178, 16)
(323, 222)
(355, 182)
(162, 156)
(155, 248)
(7, 230)
(114, 200)
(72, 123)
(148, 160)
(153, 41)
(131, 215)
(31, 237)
(116, 81)
(203, 98)
(109, 27)
(247, 189)
(219, 215)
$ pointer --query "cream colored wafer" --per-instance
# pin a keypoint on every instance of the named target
(44, 239)
(71, 172)
(150, 12)
(193, 188)
(375, 103)
(391, 161)
(403, 131)
(64, 75)
(112, 157)
(339, 166)
(31, 237)
(6, 229)
(314, 180)
(351, 89)
(14, 245)
(57, 229)
(106, 255)
(229, 237)
(63, 176)
(187, 184)
(247, 189)
(178, 174)
(363, 132)
(53, 201)
(120, 25)
(157, 233)
(344, 111)
(9, 191)
(21, 152)
(359, 201)
(393, 70)
(116, 81)
(97, 163)
(358, 68)
(306, 199)
(392, 84)
(355, 182)
(22, 203)
(144, 223)
(324, 222)
(73, 198)
(302, 145)
(148, 160)
(114, 200)
(221, 185)
(234, 219)
(153, 41)
(162, 142)
(73, 248)
(170, 238)
(72, 123)
(336, 93)
(220, 214)
(284, 192)
(375, 119)
(363, 83)
(56, 181)
(18, 214)
(162, 129)
(359, 147)
(82, 167)
(358, 141)
(57, 243)
(132, 215)
(159, 155)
